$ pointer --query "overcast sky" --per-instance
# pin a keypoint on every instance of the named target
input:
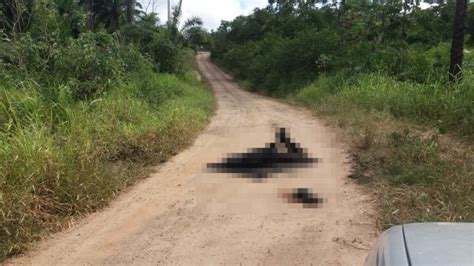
(211, 11)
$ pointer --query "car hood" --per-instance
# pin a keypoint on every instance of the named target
(424, 244)
(439, 243)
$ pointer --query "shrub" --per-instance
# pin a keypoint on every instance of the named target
(446, 107)
(69, 157)
(89, 64)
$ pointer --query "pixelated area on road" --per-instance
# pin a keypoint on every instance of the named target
(284, 155)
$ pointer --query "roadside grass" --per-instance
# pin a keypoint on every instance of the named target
(411, 144)
(62, 158)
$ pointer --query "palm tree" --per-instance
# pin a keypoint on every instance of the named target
(110, 12)
(457, 47)
(190, 23)
(193, 32)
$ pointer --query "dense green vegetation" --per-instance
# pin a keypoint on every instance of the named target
(284, 47)
(380, 71)
(85, 108)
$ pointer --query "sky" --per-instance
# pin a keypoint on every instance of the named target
(211, 11)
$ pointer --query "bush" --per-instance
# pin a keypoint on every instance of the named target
(446, 107)
(90, 64)
(68, 157)
(277, 65)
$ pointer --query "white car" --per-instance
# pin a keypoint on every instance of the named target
(424, 244)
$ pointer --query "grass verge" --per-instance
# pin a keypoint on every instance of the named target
(404, 145)
(411, 143)
(63, 158)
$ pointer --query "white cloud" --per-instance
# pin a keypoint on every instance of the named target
(250, 5)
(211, 11)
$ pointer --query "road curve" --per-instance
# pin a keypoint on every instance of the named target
(183, 215)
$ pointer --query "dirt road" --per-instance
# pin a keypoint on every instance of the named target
(184, 215)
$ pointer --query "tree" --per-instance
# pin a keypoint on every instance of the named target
(176, 16)
(70, 17)
(16, 16)
(193, 33)
(89, 6)
(110, 12)
(130, 10)
(457, 47)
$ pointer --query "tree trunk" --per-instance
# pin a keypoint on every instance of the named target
(457, 47)
(130, 10)
(90, 14)
(115, 20)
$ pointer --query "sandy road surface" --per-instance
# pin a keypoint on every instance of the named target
(183, 215)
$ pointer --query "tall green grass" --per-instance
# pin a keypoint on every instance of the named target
(447, 107)
(418, 173)
(60, 157)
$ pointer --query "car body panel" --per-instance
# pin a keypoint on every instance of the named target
(424, 244)
(440, 243)
(389, 249)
